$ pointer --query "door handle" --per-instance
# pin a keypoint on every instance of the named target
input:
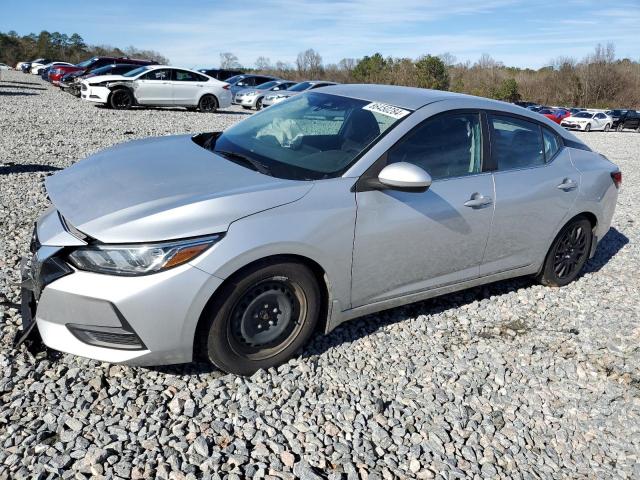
(567, 185)
(478, 201)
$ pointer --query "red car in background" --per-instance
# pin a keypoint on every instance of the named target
(55, 74)
(555, 114)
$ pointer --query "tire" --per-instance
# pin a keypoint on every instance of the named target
(261, 318)
(568, 253)
(607, 127)
(587, 128)
(121, 99)
(208, 104)
(620, 127)
(259, 104)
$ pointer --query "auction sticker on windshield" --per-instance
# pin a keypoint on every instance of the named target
(385, 109)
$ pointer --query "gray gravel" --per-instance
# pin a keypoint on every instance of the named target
(512, 380)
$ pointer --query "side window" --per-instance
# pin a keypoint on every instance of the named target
(601, 115)
(184, 76)
(551, 144)
(515, 143)
(448, 145)
(161, 74)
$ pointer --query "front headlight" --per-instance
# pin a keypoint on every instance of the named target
(140, 259)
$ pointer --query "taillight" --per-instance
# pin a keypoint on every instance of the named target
(617, 178)
(226, 86)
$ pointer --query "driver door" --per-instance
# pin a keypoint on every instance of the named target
(154, 88)
(408, 242)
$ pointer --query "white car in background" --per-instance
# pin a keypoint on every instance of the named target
(587, 121)
(253, 97)
(277, 97)
(37, 68)
(4, 66)
(158, 85)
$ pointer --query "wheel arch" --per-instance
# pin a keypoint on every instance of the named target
(319, 274)
(208, 93)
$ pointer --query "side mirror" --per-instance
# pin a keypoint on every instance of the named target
(405, 176)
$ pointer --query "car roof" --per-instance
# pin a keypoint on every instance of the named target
(405, 97)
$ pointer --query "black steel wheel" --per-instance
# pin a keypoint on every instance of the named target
(208, 103)
(121, 99)
(568, 253)
(260, 317)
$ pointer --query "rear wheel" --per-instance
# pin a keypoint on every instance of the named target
(121, 99)
(568, 253)
(607, 127)
(262, 318)
(208, 103)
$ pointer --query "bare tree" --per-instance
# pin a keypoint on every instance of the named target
(229, 61)
(309, 63)
(263, 64)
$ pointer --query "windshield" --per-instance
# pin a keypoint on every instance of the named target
(583, 115)
(86, 63)
(102, 70)
(310, 137)
(234, 79)
(135, 71)
(266, 85)
(299, 87)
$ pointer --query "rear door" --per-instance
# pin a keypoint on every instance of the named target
(154, 88)
(535, 186)
(187, 87)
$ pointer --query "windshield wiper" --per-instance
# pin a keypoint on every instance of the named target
(253, 163)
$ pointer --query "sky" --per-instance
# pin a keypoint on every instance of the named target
(191, 33)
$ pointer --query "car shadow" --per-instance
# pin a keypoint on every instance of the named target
(364, 326)
(23, 87)
(8, 168)
(17, 94)
(20, 83)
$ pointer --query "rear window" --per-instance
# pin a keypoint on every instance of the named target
(516, 143)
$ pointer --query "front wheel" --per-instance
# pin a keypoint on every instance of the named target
(259, 104)
(121, 99)
(568, 253)
(620, 128)
(262, 318)
(208, 103)
(587, 128)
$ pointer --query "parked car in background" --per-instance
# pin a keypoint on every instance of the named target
(576, 110)
(253, 97)
(157, 85)
(525, 104)
(587, 121)
(555, 114)
(238, 82)
(629, 121)
(26, 66)
(237, 246)
(34, 65)
(220, 73)
(615, 115)
(87, 66)
(277, 97)
(37, 69)
(4, 66)
(71, 81)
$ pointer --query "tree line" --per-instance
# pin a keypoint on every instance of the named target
(599, 80)
(62, 47)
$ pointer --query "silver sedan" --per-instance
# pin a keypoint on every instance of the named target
(236, 246)
(253, 97)
(277, 97)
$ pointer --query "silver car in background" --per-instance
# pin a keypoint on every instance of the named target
(253, 97)
(236, 246)
(296, 89)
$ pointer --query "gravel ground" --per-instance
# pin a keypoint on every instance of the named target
(511, 380)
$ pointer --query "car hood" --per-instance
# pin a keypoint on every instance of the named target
(108, 78)
(163, 188)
